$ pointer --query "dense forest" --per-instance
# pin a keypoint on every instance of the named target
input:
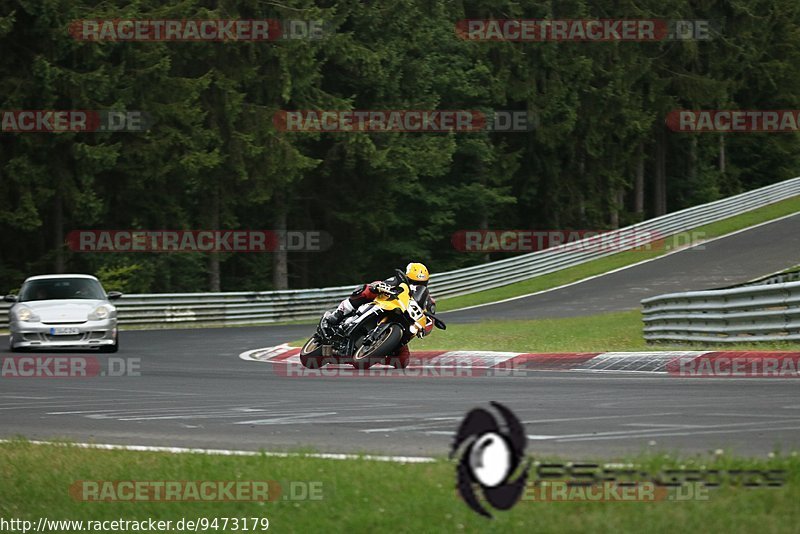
(599, 154)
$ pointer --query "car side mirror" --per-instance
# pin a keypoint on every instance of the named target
(113, 295)
(11, 298)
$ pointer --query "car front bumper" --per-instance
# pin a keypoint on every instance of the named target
(90, 334)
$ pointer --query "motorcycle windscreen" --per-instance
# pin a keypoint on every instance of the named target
(421, 295)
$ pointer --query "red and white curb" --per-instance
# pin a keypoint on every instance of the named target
(762, 364)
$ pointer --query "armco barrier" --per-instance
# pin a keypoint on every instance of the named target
(768, 312)
(270, 306)
(779, 278)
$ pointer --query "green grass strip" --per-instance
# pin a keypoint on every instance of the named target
(370, 496)
(606, 332)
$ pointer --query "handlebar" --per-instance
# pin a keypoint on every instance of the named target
(383, 287)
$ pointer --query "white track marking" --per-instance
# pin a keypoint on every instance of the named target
(227, 452)
(21, 397)
(79, 412)
(663, 425)
(86, 402)
(751, 415)
(657, 434)
(648, 432)
(419, 426)
(566, 419)
(287, 420)
(582, 280)
(90, 388)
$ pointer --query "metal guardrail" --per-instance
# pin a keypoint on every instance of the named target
(229, 308)
(270, 306)
(779, 278)
(503, 272)
(767, 312)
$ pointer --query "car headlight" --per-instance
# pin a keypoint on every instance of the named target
(99, 313)
(26, 315)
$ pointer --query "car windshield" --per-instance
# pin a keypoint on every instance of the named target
(62, 288)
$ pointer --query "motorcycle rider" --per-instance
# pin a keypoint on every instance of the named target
(417, 278)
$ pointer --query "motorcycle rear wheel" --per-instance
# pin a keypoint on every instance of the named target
(399, 359)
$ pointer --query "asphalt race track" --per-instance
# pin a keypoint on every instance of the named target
(194, 390)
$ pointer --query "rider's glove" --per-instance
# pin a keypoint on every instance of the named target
(383, 287)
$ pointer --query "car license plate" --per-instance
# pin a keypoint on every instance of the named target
(63, 331)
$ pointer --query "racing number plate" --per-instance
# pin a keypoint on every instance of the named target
(414, 310)
(63, 331)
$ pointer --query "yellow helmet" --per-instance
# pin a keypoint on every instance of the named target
(417, 272)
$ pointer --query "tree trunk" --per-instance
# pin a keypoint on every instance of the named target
(638, 184)
(616, 206)
(280, 267)
(722, 156)
(58, 232)
(214, 284)
(303, 267)
(660, 185)
(484, 225)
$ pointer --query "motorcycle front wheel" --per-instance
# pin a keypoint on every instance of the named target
(311, 353)
(375, 352)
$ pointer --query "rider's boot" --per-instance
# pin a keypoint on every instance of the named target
(333, 319)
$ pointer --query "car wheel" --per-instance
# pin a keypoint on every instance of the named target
(11, 346)
(111, 348)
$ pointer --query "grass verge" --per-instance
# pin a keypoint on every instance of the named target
(609, 263)
(370, 496)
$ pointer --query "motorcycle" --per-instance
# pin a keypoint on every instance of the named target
(377, 333)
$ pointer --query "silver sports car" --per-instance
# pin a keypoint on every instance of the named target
(63, 311)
